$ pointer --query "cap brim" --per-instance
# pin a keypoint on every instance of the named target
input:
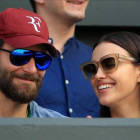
(29, 40)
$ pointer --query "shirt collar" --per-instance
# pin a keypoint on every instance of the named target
(70, 40)
(29, 115)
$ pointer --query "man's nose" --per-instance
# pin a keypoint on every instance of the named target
(30, 67)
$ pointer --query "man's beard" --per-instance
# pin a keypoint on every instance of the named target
(19, 92)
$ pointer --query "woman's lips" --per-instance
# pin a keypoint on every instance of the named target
(105, 87)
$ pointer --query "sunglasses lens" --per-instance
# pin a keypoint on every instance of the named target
(42, 60)
(108, 64)
(90, 70)
(20, 57)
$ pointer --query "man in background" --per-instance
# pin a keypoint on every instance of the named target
(64, 87)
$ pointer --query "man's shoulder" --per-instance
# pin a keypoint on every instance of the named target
(83, 45)
(40, 112)
(78, 44)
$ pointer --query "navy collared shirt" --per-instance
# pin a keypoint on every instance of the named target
(64, 88)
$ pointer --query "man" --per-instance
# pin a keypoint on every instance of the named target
(24, 58)
(64, 87)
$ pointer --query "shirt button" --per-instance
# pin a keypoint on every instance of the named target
(66, 81)
(50, 41)
(70, 110)
(61, 56)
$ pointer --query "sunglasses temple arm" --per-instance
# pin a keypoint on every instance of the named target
(128, 58)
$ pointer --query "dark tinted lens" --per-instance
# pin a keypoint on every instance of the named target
(20, 57)
(90, 70)
(42, 60)
(108, 63)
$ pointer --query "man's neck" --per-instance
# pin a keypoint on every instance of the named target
(59, 30)
(60, 34)
(8, 108)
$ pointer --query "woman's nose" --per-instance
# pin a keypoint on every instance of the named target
(100, 74)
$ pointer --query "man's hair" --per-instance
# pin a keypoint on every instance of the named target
(33, 5)
(1, 42)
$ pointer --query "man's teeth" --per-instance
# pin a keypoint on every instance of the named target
(75, 2)
(105, 86)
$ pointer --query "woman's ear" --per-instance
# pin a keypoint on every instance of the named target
(138, 74)
(39, 1)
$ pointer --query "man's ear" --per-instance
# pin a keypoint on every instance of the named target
(40, 1)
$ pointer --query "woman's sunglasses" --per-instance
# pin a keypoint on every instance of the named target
(19, 57)
(108, 63)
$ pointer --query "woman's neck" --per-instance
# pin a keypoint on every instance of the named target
(126, 111)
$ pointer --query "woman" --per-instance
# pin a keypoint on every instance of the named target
(115, 74)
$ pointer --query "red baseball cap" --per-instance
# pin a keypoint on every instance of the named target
(22, 28)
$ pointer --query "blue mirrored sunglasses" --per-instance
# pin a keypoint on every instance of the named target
(19, 57)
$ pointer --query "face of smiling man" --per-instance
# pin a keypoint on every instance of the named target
(20, 83)
(73, 10)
